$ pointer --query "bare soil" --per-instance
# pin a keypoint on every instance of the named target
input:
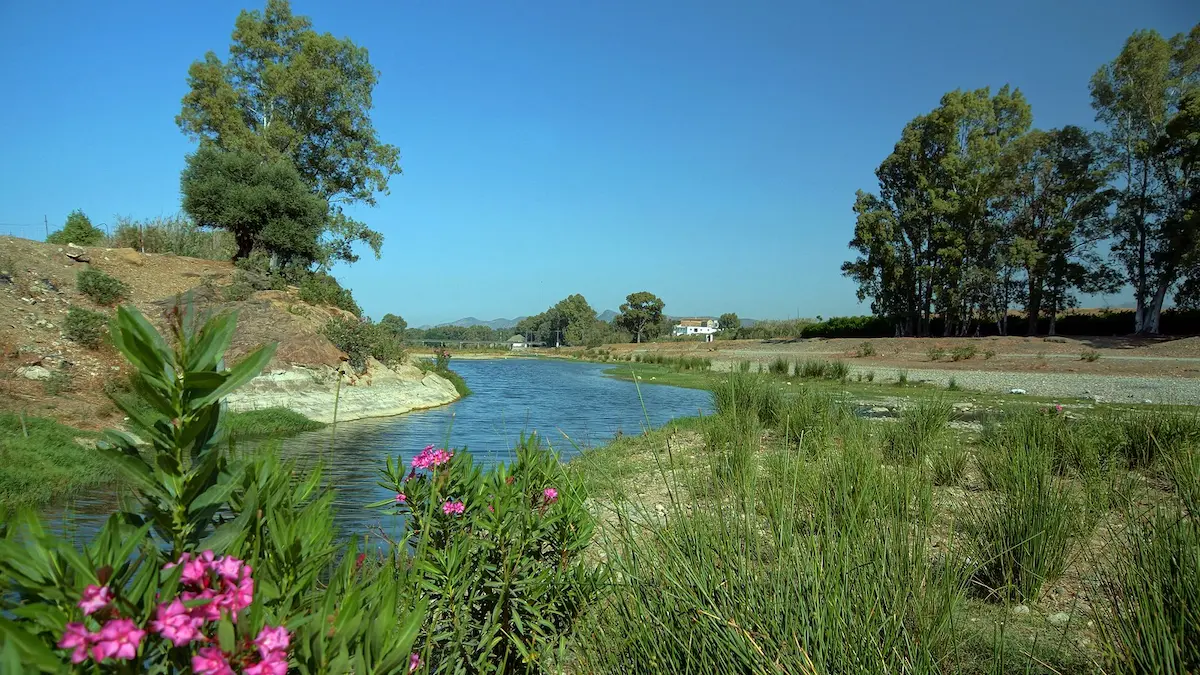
(37, 287)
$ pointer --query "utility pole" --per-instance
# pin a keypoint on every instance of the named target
(46, 224)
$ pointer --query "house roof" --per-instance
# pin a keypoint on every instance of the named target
(516, 338)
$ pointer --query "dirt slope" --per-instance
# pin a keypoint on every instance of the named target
(37, 286)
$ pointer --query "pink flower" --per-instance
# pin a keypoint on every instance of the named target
(276, 664)
(455, 508)
(430, 458)
(227, 567)
(551, 495)
(120, 638)
(271, 640)
(174, 623)
(95, 598)
(401, 498)
(210, 661)
(76, 637)
(414, 662)
(209, 611)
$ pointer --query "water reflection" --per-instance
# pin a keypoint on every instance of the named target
(568, 403)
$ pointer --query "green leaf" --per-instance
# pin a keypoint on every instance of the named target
(212, 342)
(240, 374)
(33, 651)
(226, 636)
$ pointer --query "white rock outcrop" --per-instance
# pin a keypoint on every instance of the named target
(312, 391)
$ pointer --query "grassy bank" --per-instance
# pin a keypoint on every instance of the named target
(785, 534)
(41, 460)
(44, 461)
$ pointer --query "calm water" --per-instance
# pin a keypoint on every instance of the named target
(570, 404)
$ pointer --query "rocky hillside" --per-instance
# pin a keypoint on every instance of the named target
(43, 373)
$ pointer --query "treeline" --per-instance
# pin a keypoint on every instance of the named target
(977, 213)
(1110, 322)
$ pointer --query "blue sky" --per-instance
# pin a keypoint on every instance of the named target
(705, 151)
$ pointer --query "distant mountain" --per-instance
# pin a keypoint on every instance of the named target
(607, 315)
(469, 321)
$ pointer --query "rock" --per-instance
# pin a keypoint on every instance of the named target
(131, 257)
(1020, 609)
(1016, 391)
(1060, 618)
(1055, 339)
(1147, 401)
(660, 510)
(34, 373)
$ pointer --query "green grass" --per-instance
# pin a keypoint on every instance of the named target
(276, 422)
(48, 464)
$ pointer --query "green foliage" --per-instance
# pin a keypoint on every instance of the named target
(173, 234)
(1024, 536)
(767, 330)
(809, 419)
(506, 578)
(99, 287)
(948, 463)
(730, 324)
(58, 382)
(85, 326)
(749, 394)
(732, 439)
(988, 354)
(1153, 583)
(269, 423)
(571, 321)
(902, 378)
(318, 90)
(77, 230)
(265, 205)
(41, 460)
(241, 288)
(963, 353)
(780, 366)
(920, 426)
(321, 288)
(395, 324)
(849, 326)
(936, 353)
(1089, 355)
(360, 339)
(865, 349)
(823, 370)
(640, 311)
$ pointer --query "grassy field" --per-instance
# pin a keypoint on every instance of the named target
(786, 534)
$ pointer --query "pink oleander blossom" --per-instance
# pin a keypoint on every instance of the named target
(173, 622)
(118, 638)
(272, 640)
(429, 458)
(455, 508)
(76, 637)
(414, 662)
(95, 598)
(550, 494)
(210, 661)
(401, 498)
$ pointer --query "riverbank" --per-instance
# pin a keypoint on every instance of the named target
(789, 509)
(43, 461)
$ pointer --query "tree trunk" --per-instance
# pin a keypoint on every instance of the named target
(1035, 305)
(1154, 311)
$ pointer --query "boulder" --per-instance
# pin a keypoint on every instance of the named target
(34, 373)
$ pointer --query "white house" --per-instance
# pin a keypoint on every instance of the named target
(517, 342)
(705, 327)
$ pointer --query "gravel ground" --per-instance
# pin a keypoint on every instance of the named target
(1102, 388)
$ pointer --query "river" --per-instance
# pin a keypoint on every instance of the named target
(571, 404)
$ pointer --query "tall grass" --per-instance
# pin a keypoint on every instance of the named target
(747, 393)
(780, 366)
(732, 439)
(823, 370)
(748, 587)
(1023, 535)
(918, 428)
(41, 460)
(1153, 583)
(809, 419)
(1151, 434)
(173, 234)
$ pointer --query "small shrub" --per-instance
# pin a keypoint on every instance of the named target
(85, 326)
(743, 366)
(902, 378)
(361, 339)
(100, 287)
(1089, 355)
(917, 429)
(1041, 356)
(748, 394)
(323, 289)
(865, 349)
(58, 382)
(780, 366)
(823, 370)
(948, 464)
(953, 385)
(988, 354)
(963, 353)
(935, 353)
(240, 289)
(870, 376)
(77, 230)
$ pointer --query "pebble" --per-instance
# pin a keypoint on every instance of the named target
(1020, 609)
(1016, 391)
(1060, 618)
